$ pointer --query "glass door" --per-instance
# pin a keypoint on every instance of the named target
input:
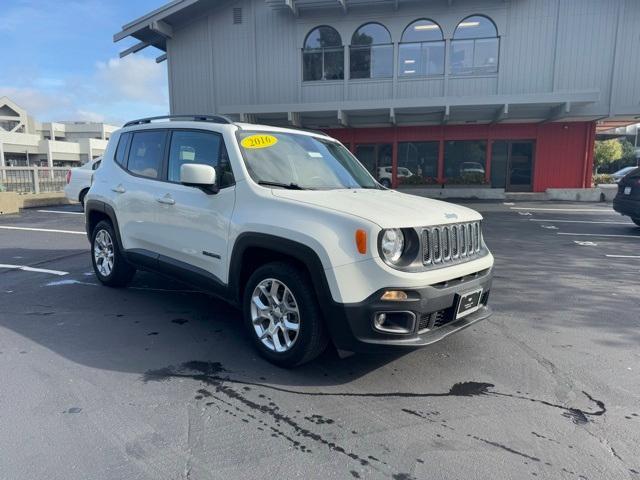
(377, 158)
(520, 170)
(512, 165)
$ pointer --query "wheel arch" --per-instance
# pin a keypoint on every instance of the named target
(251, 250)
(96, 211)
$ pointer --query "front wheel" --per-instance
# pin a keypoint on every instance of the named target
(109, 264)
(282, 315)
(636, 221)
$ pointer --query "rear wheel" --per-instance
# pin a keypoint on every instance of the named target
(282, 315)
(636, 221)
(83, 194)
(385, 182)
(109, 264)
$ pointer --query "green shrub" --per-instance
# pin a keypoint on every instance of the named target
(468, 178)
(602, 178)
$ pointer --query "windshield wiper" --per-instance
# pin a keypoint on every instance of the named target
(288, 186)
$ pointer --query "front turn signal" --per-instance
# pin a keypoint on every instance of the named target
(361, 241)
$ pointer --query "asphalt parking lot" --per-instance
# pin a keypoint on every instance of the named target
(157, 381)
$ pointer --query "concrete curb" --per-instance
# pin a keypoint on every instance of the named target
(11, 202)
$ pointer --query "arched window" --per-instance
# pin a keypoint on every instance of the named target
(323, 55)
(475, 47)
(421, 51)
(371, 52)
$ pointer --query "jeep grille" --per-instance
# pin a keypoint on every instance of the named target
(451, 243)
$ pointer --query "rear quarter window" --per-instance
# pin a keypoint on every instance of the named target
(121, 150)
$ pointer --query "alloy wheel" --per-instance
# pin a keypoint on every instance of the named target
(103, 253)
(275, 315)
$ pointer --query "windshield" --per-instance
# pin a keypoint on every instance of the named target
(291, 160)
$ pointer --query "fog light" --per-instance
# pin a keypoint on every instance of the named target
(393, 295)
(394, 322)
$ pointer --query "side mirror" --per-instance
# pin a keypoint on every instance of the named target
(199, 175)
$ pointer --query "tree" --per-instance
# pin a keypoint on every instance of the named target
(607, 151)
(628, 153)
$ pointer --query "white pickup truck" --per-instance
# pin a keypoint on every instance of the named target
(79, 180)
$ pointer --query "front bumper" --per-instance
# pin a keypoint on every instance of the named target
(434, 307)
(626, 206)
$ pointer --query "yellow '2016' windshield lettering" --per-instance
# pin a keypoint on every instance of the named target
(259, 141)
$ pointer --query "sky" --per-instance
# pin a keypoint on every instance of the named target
(58, 61)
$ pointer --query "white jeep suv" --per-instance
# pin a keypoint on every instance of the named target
(291, 228)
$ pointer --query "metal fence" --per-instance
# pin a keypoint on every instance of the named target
(32, 179)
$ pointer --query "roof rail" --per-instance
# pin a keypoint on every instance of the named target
(194, 118)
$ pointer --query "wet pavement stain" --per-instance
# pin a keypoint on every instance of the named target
(73, 410)
(152, 333)
(504, 447)
(179, 321)
(236, 404)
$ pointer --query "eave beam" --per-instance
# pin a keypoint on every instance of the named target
(294, 119)
(343, 119)
(161, 28)
(135, 48)
(559, 112)
(161, 58)
(501, 114)
(292, 6)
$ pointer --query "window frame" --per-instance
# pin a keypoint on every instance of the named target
(162, 160)
(164, 165)
(323, 51)
(474, 70)
(222, 147)
(421, 44)
(353, 47)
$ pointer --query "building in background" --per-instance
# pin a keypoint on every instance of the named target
(497, 93)
(27, 142)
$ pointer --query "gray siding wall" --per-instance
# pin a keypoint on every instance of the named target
(546, 46)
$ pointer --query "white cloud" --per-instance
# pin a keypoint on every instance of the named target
(134, 78)
(117, 90)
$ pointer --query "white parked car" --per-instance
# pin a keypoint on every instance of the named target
(385, 175)
(288, 226)
(471, 167)
(79, 180)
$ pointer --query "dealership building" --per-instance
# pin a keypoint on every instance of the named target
(501, 94)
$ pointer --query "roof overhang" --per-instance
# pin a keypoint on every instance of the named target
(154, 28)
(490, 109)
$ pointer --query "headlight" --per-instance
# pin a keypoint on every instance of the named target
(392, 244)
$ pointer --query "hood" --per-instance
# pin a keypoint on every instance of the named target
(387, 208)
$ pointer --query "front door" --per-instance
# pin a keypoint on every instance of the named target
(512, 165)
(377, 158)
(192, 225)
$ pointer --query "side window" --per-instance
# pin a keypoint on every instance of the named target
(198, 147)
(121, 151)
(145, 155)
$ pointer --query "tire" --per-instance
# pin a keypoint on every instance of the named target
(104, 246)
(385, 182)
(83, 194)
(636, 221)
(300, 308)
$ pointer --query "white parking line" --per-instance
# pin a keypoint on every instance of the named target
(599, 235)
(60, 211)
(32, 269)
(538, 209)
(578, 221)
(623, 256)
(50, 230)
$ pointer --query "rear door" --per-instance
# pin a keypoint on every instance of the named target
(137, 188)
(192, 225)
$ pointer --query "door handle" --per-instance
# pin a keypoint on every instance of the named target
(166, 200)
(118, 189)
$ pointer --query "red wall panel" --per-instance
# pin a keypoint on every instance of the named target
(563, 154)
